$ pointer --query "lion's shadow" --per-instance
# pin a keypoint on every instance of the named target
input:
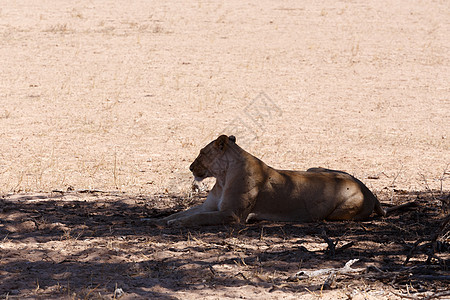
(199, 252)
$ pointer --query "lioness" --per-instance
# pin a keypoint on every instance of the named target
(246, 188)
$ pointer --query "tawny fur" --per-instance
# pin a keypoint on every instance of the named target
(247, 189)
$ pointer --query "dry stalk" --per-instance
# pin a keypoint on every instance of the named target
(93, 290)
(428, 187)
(445, 172)
(115, 169)
(392, 185)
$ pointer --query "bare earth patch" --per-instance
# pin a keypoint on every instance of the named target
(99, 246)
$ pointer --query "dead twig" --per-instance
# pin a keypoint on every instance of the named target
(346, 246)
(412, 250)
(393, 183)
(329, 281)
(444, 222)
(438, 295)
(242, 275)
(88, 191)
(421, 295)
(211, 269)
(404, 295)
(331, 244)
(345, 270)
(432, 244)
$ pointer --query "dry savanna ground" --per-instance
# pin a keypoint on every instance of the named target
(104, 104)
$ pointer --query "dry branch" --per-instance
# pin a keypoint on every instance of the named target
(438, 295)
(444, 222)
(331, 244)
(432, 244)
(346, 269)
(421, 296)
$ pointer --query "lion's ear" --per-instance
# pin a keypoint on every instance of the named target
(232, 138)
(221, 142)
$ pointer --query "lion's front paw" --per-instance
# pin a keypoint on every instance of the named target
(155, 222)
(175, 223)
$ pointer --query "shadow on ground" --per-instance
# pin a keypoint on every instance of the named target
(99, 246)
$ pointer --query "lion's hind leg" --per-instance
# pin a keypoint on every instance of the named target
(351, 208)
(342, 214)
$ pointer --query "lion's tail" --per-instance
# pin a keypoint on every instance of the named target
(378, 209)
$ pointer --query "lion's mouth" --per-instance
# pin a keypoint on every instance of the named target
(197, 178)
(200, 176)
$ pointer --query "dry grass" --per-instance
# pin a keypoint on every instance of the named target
(122, 97)
(103, 91)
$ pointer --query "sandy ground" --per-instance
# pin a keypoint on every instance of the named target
(119, 97)
(100, 246)
(106, 95)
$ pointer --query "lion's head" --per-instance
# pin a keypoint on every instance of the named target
(210, 161)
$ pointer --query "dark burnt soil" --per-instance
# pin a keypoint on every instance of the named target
(96, 245)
